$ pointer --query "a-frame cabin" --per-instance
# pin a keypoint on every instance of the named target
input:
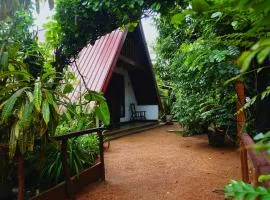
(119, 65)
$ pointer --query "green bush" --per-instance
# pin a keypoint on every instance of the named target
(197, 68)
(82, 153)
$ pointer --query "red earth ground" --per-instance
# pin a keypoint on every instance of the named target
(157, 165)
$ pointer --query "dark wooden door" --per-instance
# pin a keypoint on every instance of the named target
(115, 95)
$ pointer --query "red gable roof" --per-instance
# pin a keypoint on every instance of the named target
(96, 62)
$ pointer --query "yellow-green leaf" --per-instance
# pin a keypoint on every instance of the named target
(46, 111)
(103, 113)
(51, 100)
(37, 95)
(14, 135)
(30, 96)
(263, 54)
(4, 60)
(177, 19)
(26, 115)
(9, 104)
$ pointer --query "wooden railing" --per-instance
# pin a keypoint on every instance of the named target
(64, 158)
(259, 163)
(64, 155)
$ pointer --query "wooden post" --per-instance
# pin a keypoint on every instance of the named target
(240, 117)
(64, 157)
(241, 120)
(244, 164)
(20, 177)
(101, 153)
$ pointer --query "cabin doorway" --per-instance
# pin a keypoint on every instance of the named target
(115, 95)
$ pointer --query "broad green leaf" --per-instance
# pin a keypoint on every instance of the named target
(14, 134)
(263, 178)
(200, 5)
(51, 100)
(27, 115)
(245, 59)
(102, 109)
(81, 123)
(37, 95)
(103, 113)
(261, 190)
(94, 96)
(20, 113)
(177, 18)
(71, 76)
(156, 6)
(16, 129)
(49, 96)
(4, 61)
(259, 136)
(46, 111)
(260, 43)
(68, 89)
(263, 54)
(30, 96)
(9, 104)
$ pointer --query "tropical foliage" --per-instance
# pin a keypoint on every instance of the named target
(241, 190)
(199, 47)
(31, 88)
(197, 67)
(34, 100)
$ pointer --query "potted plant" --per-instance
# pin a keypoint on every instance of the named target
(167, 103)
(219, 121)
(216, 136)
(168, 111)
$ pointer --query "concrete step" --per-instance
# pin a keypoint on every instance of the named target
(131, 127)
(132, 130)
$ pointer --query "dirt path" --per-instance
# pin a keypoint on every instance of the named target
(157, 165)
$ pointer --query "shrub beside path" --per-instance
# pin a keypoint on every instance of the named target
(157, 165)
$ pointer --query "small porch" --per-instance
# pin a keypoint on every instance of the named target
(130, 128)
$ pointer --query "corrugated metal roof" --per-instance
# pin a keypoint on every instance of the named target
(96, 62)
